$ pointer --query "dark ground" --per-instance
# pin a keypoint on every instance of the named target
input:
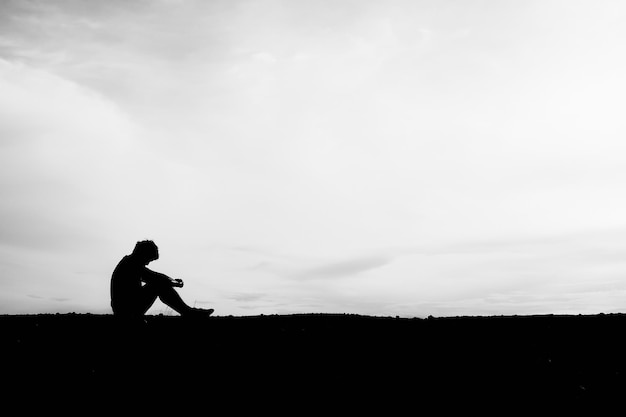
(335, 364)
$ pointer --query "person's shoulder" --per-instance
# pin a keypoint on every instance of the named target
(125, 262)
(127, 265)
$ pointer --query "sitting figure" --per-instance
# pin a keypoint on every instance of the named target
(132, 299)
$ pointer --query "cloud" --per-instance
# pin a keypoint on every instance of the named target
(343, 269)
(247, 297)
(324, 130)
(61, 150)
(264, 57)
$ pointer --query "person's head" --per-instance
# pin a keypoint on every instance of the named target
(146, 251)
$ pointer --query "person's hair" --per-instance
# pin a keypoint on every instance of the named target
(146, 249)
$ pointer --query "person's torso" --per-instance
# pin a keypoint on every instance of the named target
(126, 279)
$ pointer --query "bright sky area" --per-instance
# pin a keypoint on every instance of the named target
(383, 157)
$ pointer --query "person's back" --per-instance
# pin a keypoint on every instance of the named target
(126, 285)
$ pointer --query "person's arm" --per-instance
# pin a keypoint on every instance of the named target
(152, 277)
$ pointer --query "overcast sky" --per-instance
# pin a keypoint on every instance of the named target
(375, 157)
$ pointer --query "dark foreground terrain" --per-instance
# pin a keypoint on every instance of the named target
(330, 364)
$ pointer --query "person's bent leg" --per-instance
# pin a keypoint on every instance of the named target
(170, 297)
(149, 296)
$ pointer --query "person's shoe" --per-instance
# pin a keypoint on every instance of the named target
(198, 312)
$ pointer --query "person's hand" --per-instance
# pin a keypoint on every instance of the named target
(177, 283)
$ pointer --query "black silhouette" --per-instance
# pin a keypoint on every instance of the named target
(132, 299)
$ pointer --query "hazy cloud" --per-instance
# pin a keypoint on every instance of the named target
(247, 297)
(326, 130)
(202, 302)
(57, 299)
(343, 269)
(60, 146)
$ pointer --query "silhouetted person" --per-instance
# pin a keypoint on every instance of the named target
(134, 287)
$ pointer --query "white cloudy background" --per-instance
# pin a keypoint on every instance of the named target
(376, 157)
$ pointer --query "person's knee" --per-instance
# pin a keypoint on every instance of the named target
(157, 288)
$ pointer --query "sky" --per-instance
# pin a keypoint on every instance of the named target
(392, 157)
